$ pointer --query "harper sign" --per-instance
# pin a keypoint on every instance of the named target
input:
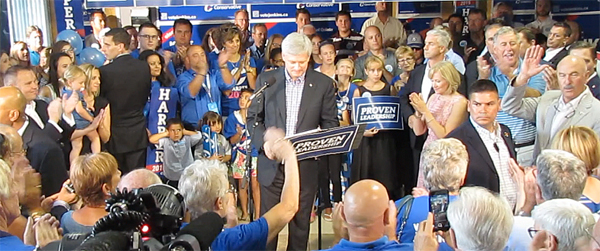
(326, 142)
(381, 112)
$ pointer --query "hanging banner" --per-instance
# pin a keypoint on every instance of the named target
(381, 112)
(316, 143)
(69, 16)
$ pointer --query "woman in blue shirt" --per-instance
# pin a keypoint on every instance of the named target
(234, 68)
(162, 105)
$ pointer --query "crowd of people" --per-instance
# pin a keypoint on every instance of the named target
(501, 118)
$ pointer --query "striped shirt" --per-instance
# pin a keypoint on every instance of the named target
(500, 156)
(293, 97)
(523, 131)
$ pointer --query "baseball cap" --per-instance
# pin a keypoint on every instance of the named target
(414, 40)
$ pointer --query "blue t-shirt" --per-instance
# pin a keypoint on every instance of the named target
(34, 58)
(382, 244)
(13, 243)
(230, 103)
(251, 236)
(230, 129)
(343, 100)
(69, 225)
(177, 69)
(194, 107)
(418, 213)
(162, 105)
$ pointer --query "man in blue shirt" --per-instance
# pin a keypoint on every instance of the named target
(199, 88)
(34, 42)
(366, 219)
(257, 50)
(508, 66)
(204, 187)
(182, 31)
(149, 39)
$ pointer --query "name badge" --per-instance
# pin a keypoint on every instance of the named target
(212, 106)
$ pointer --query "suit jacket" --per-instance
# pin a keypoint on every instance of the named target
(594, 85)
(481, 170)
(317, 109)
(126, 84)
(558, 57)
(90, 40)
(46, 157)
(541, 111)
(415, 81)
(41, 108)
(472, 74)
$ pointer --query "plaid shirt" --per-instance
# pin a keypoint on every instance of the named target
(500, 157)
(293, 97)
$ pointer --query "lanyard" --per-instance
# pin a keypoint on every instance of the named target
(206, 85)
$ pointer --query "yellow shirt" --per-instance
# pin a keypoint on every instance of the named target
(392, 29)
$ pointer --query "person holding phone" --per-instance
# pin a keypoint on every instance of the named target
(444, 164)
(480, 220)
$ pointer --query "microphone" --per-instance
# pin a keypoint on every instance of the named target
(258, 92)
(199, 234)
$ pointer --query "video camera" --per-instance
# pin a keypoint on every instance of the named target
(145, 220)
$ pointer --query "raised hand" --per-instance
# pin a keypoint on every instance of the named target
(483, 68)
(55, 110)
(425, 238)
(551, 78)
(531, 65)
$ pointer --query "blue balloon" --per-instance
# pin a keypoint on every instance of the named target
(73, 38)
(92, 56)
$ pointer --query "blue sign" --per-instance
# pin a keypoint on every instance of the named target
(419, 7)
(69, 15)
(140, 3)
(381, 112)
(326, 142)
(199, 13)
(273, 11)
(364, 7)
(108, 3)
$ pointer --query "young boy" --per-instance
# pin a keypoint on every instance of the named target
(235, 132)
(177, 144)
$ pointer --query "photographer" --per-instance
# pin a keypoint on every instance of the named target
(479, 220)
(204, 186)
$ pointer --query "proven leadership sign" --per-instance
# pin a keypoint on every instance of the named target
(381, 112)
(335, 140)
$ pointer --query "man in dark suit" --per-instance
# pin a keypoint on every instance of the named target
(298, 99)
(44, 154)
(557, 42)
(98, 22)
(56, 122)
(489, 144)
(126, 85)
(436, 46)
(587, 51)
(472, 73)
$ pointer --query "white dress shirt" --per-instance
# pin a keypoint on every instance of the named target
(31, 112)
(551, 53)
(426, 85)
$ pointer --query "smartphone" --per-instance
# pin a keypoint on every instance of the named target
(438, 205)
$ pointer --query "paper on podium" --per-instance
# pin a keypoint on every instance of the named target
(317, 142)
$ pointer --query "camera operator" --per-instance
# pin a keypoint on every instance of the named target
(204, 186)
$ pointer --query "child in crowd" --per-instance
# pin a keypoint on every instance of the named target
(223, 153)
(235, 131)
(74, 79)
(177, 144)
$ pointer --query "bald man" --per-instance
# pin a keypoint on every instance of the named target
(199, 87)
(556, 110)
(139, 178)
(369, 217)
(374, 41)
(45, 155)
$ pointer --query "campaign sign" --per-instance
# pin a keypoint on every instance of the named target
(381, 112)
(326, 142)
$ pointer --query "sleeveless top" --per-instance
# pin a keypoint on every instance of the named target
(385, 91)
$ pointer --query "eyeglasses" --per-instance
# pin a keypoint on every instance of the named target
(532, 232)
(68, 50)
(152, 37)
(405, 60)
(592, 237)
(569, 115)
(23, 152)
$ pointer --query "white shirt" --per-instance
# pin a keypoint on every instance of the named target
(23, 127)
(498, 151)
(426, 85)
(30, 111)
(551, 53)
(565, 111)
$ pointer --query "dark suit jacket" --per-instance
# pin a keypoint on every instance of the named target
(46, 157)
(558, 57)
(481, 170)
(317, 108)
(594, 85)
(126, 84)
(41, 108)
(472, 74)
(90, 39)
(415, 81)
